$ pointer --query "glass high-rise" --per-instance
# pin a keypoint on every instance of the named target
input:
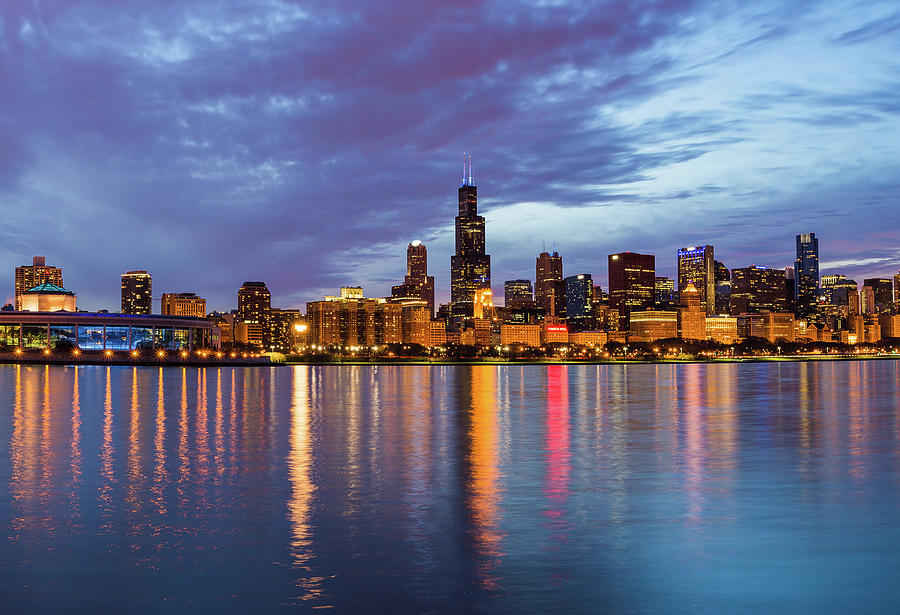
(470, 267)
(807, 274)
(517, 293)
(579, 296)
(137, 292)
(417, 284)
(697, 266)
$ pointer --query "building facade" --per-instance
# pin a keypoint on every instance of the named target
(183, 304)
(253, 304)
(517, 293)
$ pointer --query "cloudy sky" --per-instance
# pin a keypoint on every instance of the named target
(304, 144)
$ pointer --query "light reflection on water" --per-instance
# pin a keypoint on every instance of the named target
(643, 488)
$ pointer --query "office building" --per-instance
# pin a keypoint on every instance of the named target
(882, 294)
(807, 274)
(722, 329)
(137, 293)
(897, 290)
(692, 314)
(632, 284)
(520, 335)
(664, 292)
(579, 296)
(183, 304)
(517, 293)
(470, 267)
(696, 266)
(29, 276)
(417, 284)
(353, 320)
(755, 289)
(594, 339)
(652, 325)
(549, 288)
(287, 329)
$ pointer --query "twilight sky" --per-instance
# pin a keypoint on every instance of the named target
(304, 144)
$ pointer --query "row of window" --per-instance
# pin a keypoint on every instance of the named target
(100, 337)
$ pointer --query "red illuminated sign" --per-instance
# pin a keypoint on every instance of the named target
(557, 329)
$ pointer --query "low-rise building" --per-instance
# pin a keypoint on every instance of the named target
(652, 325)
(554, 333)
(722, 329)
(588, 338)
(514, 334)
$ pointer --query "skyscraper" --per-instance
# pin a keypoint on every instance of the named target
(417, 284)
(807, 273)
(754, 289)
(517, 293)
(470, 267)
(29, 276)
(897, 288)
(548, 276)
(664, 291)
(579, 295)
(137, 292)
(697, 266)
(632, 283)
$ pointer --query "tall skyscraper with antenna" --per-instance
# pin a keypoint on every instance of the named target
(470, 267)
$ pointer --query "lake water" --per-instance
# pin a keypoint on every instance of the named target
(763, 487)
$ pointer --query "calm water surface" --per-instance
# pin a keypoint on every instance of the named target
(645, 488)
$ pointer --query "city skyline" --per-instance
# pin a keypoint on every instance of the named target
(688, 118)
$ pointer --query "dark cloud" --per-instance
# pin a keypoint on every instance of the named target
(212, 143)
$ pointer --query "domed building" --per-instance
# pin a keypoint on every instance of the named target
(48, 297)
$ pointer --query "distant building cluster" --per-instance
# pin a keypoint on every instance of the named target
(706, 301)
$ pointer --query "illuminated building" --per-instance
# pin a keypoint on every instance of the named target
(437, 333)
(46, 297)
(692, 316)
(652, 325)
(102, 331)
(867, 300)
(769, 325)
(807, 273)
(517, 293)
(287, 330)
(353, 320)
(588, 338)
(632, 284)
(696, 266)
(548, 282)
(754, 289)
(897, 290)
(417, 284)
(722, 329)
(663, 292)
(29, 276)
(415, 323)
(254, 301)
(890, 325)
(882, 293)
(579, 297)
(137, 292)
(470, 267)
(554, 333)
(183, 304)
(484, 304)
(520, 335)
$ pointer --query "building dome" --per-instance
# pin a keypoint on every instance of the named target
(48, 297)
